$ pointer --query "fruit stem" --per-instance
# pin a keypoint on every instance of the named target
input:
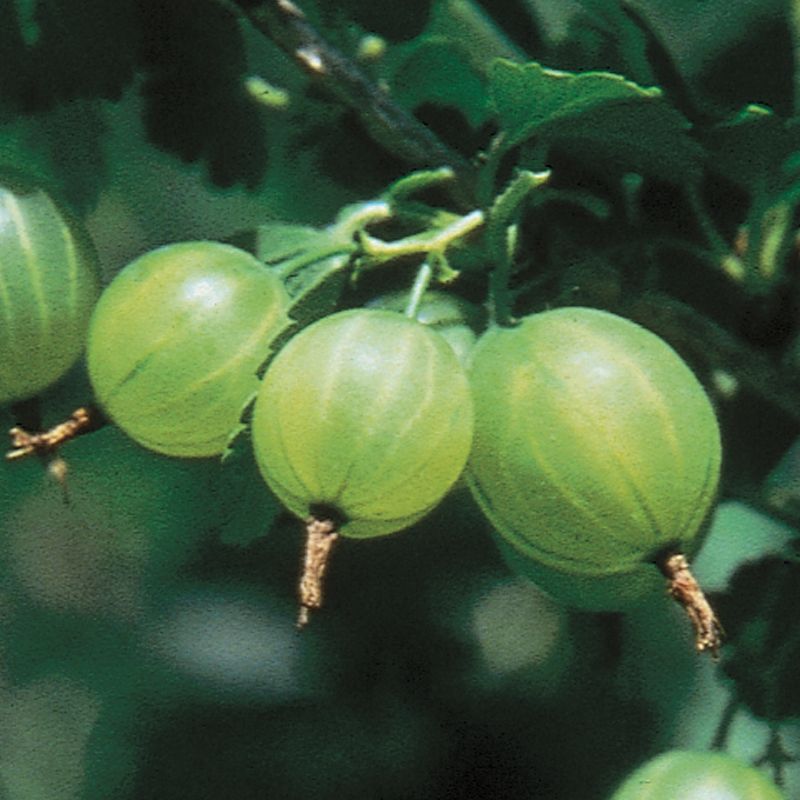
(421, 283)
(24, 443)
(321, 535)
(684, 588)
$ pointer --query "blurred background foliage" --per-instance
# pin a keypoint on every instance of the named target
(148, 647)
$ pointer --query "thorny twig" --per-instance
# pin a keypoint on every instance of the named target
(390, 125)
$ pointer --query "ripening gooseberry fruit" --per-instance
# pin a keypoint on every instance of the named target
(696, 775)
(453, 318)
(596, 457)
(362, 424)
(176, 340)
(49, 282)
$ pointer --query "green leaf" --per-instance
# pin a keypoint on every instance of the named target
(598, 117)
(317, 289)
(312, 263)
(279, 241)
(751, 148)
(448, 63)
(605, 34)
(247, 507)
(437, 72)
(60, 150)
(663, 67)
(530, 96)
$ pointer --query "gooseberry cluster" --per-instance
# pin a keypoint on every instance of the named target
(587, 442)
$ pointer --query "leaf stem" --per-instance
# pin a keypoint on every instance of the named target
(724, 726)
(379, 251)
(418, 181)
(501, 239)
(296, 263)
(726, 260)
(338, 239)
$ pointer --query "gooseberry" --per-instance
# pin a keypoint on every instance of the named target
(596, 457)
(696, 775)
(49, 283)
(363, 422)
(176, 341)
(452, 317)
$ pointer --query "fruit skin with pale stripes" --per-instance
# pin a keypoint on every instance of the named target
(176, 341)
(452, 317)
(696, 775)
(367, 414)
(49, 282)
(596, 451)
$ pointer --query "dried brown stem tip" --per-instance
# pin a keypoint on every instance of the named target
(25, 444)
(684, 588)
(320, 537)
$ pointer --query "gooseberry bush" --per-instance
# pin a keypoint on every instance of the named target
(476, 321)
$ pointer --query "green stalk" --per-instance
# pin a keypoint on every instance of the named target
(421, 283)
(501, 235)
(730, 264)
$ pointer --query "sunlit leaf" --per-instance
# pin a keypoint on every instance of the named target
(437, 72)
(600, 117)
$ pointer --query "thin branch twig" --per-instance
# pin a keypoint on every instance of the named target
(391, 126)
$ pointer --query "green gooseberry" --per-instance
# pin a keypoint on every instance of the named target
(49, 282)
(176, 341)
(451, 317)
(596, 455)
(365, 412)
(696, 775)
(363, 422)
